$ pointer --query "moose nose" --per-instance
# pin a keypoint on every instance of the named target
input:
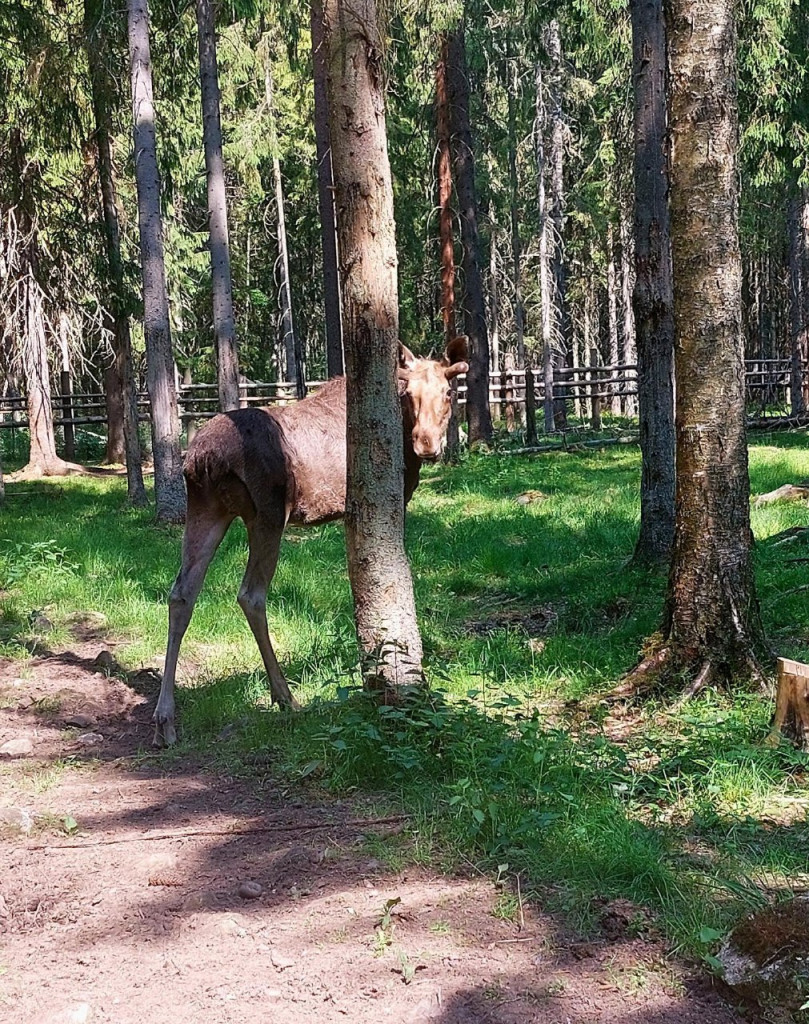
(426, 448)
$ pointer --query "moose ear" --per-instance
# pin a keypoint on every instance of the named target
(455, 369)
(457, 351)
(407, 361)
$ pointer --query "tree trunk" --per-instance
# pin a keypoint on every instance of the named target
(66, 389)
(553, 44)
(712, 628)
(494, 306)
(446, 239)
(799, 300)
(120, 377)
(612, 320)
(652, 297)
(325, 199)
(377, 564)
(516, 243)
(168, 466)
(629, 352)
(545, 250)
(227, 359)
(291, 341)
(477, 379)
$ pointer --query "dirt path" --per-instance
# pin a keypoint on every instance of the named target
(123, 899)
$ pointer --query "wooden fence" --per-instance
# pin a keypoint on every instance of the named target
(583, 392)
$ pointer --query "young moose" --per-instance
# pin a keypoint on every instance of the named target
(287, 465)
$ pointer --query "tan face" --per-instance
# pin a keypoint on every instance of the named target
(426, 383)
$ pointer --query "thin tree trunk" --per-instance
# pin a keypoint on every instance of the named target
(168, 466)
(446, 239)
(712, 627)
(227, 359)
(612, 319)
(325, 199)
(553, 43)
(652, 297)
(545, 250)
(798, 299)
(120, 379)
(380, 576)
(494, 306)
(629, 352)
(516, 243)
(477, 379)
(291, 340)
(66, 389)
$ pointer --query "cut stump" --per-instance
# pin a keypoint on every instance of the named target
(791, 705)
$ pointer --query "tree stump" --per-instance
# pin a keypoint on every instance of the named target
(791, 705)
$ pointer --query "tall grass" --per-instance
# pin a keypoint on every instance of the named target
(529, 615)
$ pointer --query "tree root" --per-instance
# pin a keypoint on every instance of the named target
(38, 471)
(645, 676)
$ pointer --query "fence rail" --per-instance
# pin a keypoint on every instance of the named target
(588, 389)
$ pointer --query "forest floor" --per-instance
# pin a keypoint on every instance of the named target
(120, 901)
(559, 856)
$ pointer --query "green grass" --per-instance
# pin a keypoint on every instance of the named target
(524, 608)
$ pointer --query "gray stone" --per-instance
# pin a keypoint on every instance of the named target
(22, 747)
(250, 890)
(81, 721)
(16, 817)
(90, 739)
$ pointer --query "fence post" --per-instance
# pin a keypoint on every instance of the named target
(530, 407)
(508, 391)
(595, 401)
(65, 387)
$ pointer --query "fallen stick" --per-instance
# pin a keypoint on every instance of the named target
(193, 833)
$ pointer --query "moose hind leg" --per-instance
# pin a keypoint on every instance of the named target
(265, 543)
(201, 539)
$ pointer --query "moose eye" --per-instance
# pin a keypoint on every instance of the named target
(447, 396)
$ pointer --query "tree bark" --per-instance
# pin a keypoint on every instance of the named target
(227, 359)
(798, 219)
(712, 629)
(516, 242)
(652, 296)
(325, 199)
(629, 353)
(545, 249)
(120, 377)
(168, 466)
(553, 44)
(378, 569)
(445, 231)
(612, 319)
(477, 379)
(291, 340)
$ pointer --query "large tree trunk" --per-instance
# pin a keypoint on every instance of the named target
(477, 379)
(652, 297)
(799, 300)
(227, 360)
(120, 377)
(377, 564)
(168, 466)
(712, 628)
(325, 199)
(292, 343)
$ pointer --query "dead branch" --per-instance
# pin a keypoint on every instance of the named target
(195, 833)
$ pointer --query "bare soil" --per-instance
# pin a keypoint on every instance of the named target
(123, 896)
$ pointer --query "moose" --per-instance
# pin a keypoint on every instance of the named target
(278, 466)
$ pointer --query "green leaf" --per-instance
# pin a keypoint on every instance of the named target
(707, 935)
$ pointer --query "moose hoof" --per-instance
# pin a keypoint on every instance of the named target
(165, 735)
